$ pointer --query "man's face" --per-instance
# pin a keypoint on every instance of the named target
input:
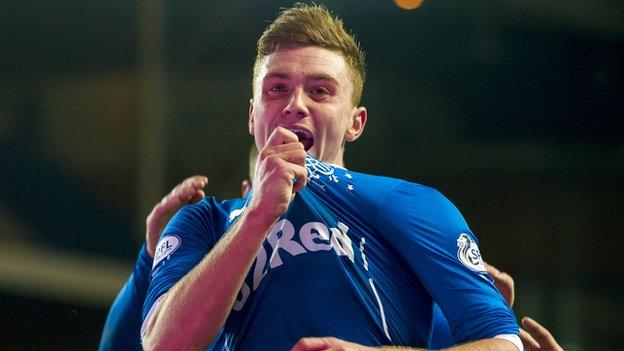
(306, 90)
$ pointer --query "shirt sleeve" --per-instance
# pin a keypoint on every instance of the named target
(185, 241)
(123, 323)
(428, 231)
(441, 336)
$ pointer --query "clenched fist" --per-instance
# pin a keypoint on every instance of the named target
(280, 173)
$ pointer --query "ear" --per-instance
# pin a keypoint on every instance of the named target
(251, 120)
(357, 123)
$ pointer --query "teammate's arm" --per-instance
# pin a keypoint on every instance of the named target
(334, 344)
(195, 308)
(504, 283)
(121, 329)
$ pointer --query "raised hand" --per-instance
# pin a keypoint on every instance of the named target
(504, 283)
(280, 172)
(536, 337)
(188, 192)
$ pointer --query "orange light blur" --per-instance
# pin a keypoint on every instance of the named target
(408, 4)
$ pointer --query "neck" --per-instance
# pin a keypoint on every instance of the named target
(337, 160)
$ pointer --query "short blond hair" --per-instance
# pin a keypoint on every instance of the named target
(313, 25)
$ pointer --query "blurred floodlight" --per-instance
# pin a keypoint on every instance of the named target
(408, 4)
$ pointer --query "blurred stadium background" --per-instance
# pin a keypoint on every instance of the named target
(513, 109)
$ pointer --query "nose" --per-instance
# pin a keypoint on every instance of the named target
(297, 106)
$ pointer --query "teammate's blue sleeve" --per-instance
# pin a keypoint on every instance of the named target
(441, 336)
(428, 231)
(185, 241)
(123, 323)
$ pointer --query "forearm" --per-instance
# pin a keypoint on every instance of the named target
(480, 345)
(193, 311)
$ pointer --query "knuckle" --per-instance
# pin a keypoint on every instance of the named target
(303, 179)
(264, 153)
(302, 155)
(271, 159)
(156, 211)
(304, 341)
(297, 145)
(285, 172)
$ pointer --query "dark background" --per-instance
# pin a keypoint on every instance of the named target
(513, 109)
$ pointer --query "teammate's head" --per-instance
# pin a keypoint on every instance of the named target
(308, 78)
(313, 25)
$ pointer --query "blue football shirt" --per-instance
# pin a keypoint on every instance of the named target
(356, 256)
(121, 329)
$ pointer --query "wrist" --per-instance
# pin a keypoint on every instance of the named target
(260, 219)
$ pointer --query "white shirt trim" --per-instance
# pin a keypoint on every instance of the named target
(149, 315)
(513, 338)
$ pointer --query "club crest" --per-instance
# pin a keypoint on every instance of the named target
(468, 253)
(317, 168)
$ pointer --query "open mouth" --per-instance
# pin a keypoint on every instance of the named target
(305, 137)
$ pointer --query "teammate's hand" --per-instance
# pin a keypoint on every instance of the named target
(280, 173)
(328, 344)
(537, 338)
(504, 283)
(188, 192)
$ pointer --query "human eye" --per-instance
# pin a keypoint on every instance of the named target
(277, 88)
(319, 91)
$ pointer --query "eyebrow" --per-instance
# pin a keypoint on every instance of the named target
(312, 77)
